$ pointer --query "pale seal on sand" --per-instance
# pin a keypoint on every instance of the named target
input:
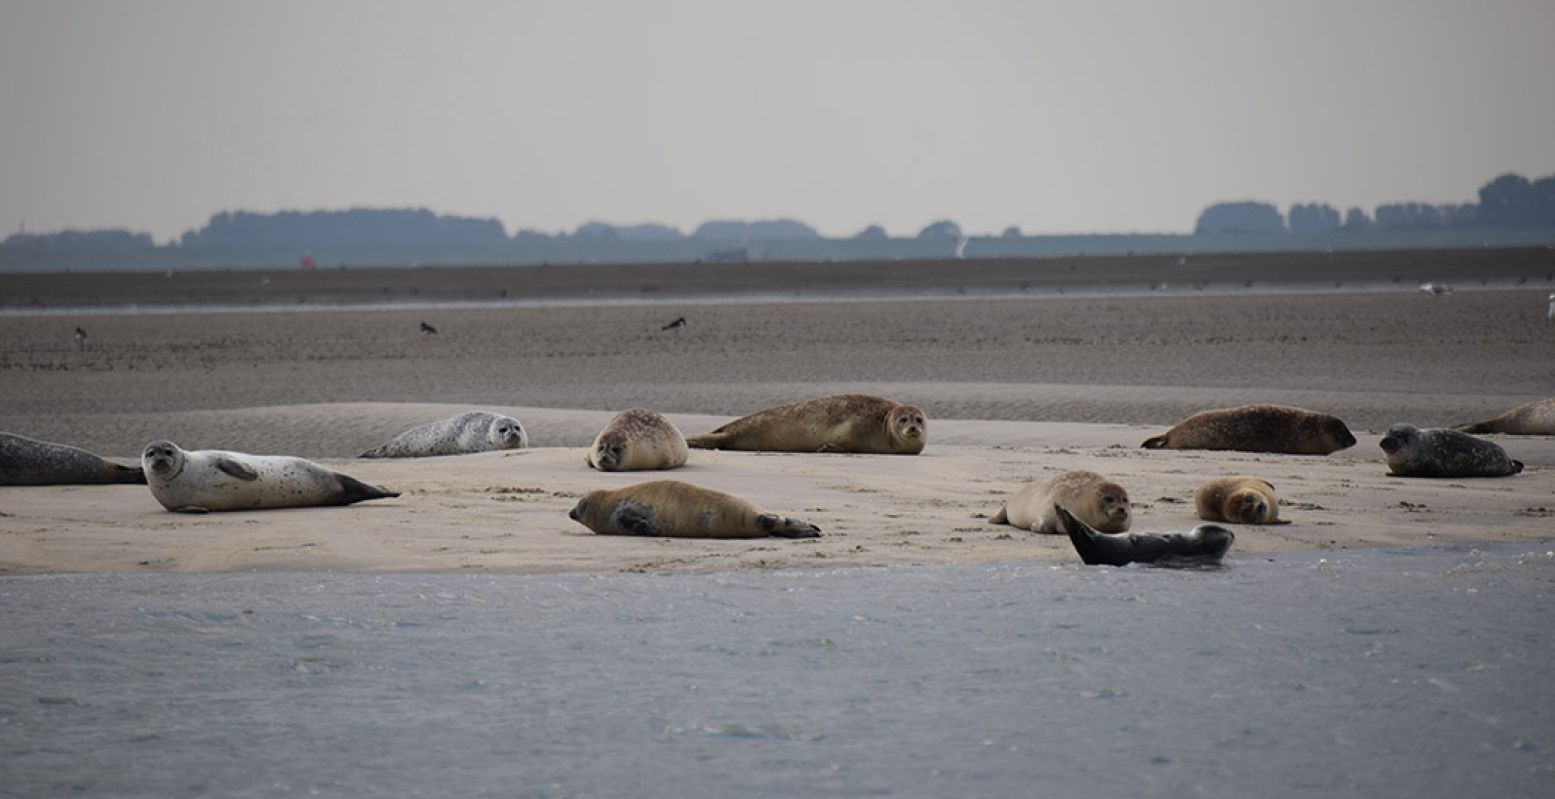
(475, 431)
(214, 480)
(1203, 545)
(1535, 418)
(1242, 499)
(1439, 452)
(637, 440)
(672, 509)
(839, 423)
(1094, 498)
(29, 462)
(1257, 428)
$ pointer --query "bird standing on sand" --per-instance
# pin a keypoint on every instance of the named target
(1550, 314)
(428, 329)
(1436, 289)
(681, 322)
(81, 332)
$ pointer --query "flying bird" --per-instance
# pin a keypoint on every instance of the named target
(428, 329)
(675, 325)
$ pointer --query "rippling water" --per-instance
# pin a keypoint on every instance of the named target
(1399, 673)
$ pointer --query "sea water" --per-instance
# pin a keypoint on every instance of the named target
(1421, 672)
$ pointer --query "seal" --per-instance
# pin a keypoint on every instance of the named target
(1242, 499)
(1202, 546)
(476, 431)
(29, 462)
(838, 423)
(637, 440)
(672, 509)
(1439, 452)
(215, 480)
(1096, 499)
(1535, 418)
(1257, 428)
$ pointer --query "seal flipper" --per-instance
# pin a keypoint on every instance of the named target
(238, 469)
(1002, 517)
(354, 490)
(381, 451)
(1094, 548)
(1156, 442)
(1517, 466)
(128, 474)
(773, 524)
(713, 440)
(633, 519)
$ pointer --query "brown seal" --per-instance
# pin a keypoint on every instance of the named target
(637, 440)
(839, 423)
(672, 509)
(1098, 501)
(1257, 428)
(1242, 499)
(1535, 418)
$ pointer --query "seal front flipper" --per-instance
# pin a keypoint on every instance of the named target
(633, 519)
(190, 509)
(241, 471)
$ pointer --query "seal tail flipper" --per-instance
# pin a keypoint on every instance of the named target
(1517, 466)
(773, 524)
(376, 452)
(1475, 427)
(129, 474)
(1002, 517)
(1155, 442)
(354, 490)
(708, 441)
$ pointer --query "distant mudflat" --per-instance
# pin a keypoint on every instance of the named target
(572, 284)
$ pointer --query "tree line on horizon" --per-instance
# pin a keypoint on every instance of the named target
(1509, 201)
(1505, 202)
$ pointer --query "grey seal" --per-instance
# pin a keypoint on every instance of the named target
(1203, 545)
(29, 462)
(475, 431)
(216, 480)
(1439, 452)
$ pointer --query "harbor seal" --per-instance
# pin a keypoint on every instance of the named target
(214, 480)
(1439, 452)
(476, 431)
(29, 462)
(838, 423)
(672, 509)
(1094, 498)
(637, 440)
(1535, 418)
(1203, 545)
(1257, 428)
(1241, 499)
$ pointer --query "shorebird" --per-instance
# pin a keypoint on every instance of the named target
(1550, 314)
(675, 325)
(1436, 289)
(428, 329)
(81, 332)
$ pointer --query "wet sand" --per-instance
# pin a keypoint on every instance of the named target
(1015, 388)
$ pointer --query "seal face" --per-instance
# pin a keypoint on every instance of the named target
(635, 440)
(1258, 428)
(1101, 502)
(672, 509)
(1535, 418)
(1242, 499)
(216, 480)
(1438, 452)
(29, 462)
(475, 431)
(858, 423)
(1202, 546)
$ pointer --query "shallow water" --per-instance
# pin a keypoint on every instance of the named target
(1402, 673)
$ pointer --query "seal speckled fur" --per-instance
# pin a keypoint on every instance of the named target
(29, 462)
(1439, 452)
(637, 440)
(475, 431)
(1257, 428)
(1535, 418)
(196, 481)
(838, 423)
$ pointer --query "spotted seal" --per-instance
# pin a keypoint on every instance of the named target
(672, 509)
(1257, 428)
(1094, 498)
(475, 431)
(637, 440)
(215, 480)
(1535, 418)
(1438, 452)
(838, 423)
(29, 462)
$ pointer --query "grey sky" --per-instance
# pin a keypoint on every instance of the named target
(1057, 117)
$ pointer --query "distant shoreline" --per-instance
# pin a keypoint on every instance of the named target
(764, 282)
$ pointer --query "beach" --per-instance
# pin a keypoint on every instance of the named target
(1016, 389)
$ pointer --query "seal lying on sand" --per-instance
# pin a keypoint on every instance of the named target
(29, 462)
(672, 509)
(636, 440)
(1535, 418)
(1439, 452)
(214, 480)
(839, 423)
(1203, 545)
(1095, 499)
(1257, 428)
(1241, 499)
(476, 431)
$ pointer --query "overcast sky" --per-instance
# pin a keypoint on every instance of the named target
(1057, 117)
